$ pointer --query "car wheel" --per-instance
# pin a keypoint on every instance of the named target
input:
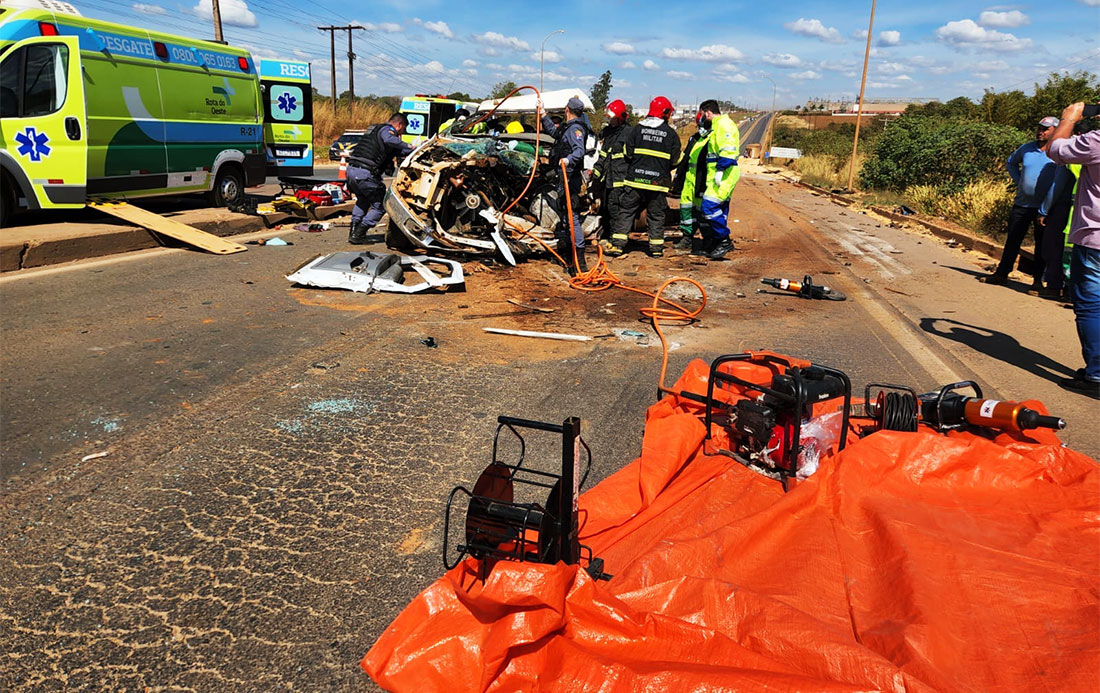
(228, 187)
(396, 239)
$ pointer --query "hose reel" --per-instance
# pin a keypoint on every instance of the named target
(501, 526)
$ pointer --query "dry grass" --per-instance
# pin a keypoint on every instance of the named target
(981, 206)
(823, 171)
(327, 126)
(789, 121)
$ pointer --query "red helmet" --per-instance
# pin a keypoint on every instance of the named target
(616, 109)
(660, 107)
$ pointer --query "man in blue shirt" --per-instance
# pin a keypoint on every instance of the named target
(569, 145)
(1032, 172)
(369, 161)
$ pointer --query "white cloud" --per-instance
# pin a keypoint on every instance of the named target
(735, 78)
(904, 78)
(782, 60)
(808, 74)
(1004, 20)
(618, 48)
(859, 34)
(966, 33)
(650, 65)
(624, 83)
(1091, 3)
(234, 12)
(890, 68)
(440, 28)
(992, 66)
(469, 63)
(488, 51)
(149, 9)
(492, 38)
(815, 29)
(434, 67)
(384, 27)
(836, 65)
(680, 74)
(550, 56)
(715, 53)
(627, 65)
(889, 38)
(530, 72)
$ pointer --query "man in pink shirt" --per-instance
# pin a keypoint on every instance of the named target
(1085, 236)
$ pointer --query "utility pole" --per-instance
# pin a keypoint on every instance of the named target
(351, 63)
(217, 12)
(859, 108)
(351, 58)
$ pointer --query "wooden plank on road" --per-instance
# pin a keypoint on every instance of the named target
(158, 224)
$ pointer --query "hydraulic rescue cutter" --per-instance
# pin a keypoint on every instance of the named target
(519, 513)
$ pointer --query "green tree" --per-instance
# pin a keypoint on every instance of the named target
(601, 91)
(1060, 90)
(1003, 108)
(462, 96)
(502, 89)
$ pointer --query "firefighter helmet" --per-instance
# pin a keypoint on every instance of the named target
(616, 109)
(660, 107)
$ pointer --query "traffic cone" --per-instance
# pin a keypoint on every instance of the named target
(343, 175)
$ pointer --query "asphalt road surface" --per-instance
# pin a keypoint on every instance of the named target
(278, 456)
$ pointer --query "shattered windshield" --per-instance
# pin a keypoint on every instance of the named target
(514, 154)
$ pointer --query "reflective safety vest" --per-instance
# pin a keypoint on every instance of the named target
(695, 171)
(723, 148)
(652, 151)
(611, 166)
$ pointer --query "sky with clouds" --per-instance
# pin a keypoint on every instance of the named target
(689, 52)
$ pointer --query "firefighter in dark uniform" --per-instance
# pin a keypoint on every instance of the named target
(610, 170)
(652, 152)
(569, 143)
(369, 160)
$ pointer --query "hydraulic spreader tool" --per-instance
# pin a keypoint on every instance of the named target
(805, 288)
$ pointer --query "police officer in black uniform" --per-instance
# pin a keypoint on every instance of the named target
(569, 142)
(369, 160)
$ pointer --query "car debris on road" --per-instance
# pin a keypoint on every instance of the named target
(369, 271)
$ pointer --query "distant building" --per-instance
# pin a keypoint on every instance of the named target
(878, 108)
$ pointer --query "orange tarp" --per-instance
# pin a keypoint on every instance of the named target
(908, 562)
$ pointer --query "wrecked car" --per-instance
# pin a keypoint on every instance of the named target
(450, 193)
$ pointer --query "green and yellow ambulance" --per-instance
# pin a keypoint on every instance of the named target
(92, 109)
(427, 113)
(288, 117)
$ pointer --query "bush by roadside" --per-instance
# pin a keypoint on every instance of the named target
(946, 154)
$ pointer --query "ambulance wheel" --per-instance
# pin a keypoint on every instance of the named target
(396, 240)
(7, 201)
(228, 187)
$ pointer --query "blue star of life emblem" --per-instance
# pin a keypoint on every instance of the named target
(287, 103)
(33, 144)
